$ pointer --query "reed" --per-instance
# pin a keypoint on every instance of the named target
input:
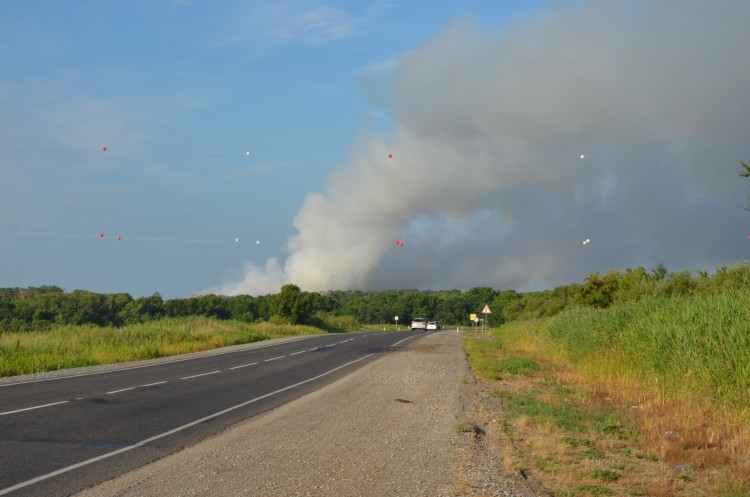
(693, 348)
(674, 368)
(679, 364)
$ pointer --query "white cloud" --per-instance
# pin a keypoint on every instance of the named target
(289, 23)
(381, 68)
(322, 24)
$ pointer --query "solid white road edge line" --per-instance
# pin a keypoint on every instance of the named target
(170, 432)
(405, 339)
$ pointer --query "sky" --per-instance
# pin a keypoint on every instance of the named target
(190, 146)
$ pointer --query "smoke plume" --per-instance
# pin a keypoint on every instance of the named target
(620, 122)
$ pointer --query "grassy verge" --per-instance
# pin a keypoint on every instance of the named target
(581, 426)
(683, 348)
(76, 346)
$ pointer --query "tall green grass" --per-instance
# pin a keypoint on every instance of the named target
(691, 347)
(76, 346)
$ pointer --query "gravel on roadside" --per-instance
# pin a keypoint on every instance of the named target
(388, 429)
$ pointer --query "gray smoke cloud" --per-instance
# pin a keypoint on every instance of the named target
(620, 122)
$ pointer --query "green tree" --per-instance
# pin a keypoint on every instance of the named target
(659, 272)
(7, 313)
(476, 298)
(416, 304)
(116, 303)
(681, 283)
(515, 310)
(263, 305)
(634, 283)
(449, 308)
(213, 306)
(143, 309)
(597, 291)
(82, 307)
(180, 307)
(291, 305)
(322, 303)
(502, 299)
(243, 308)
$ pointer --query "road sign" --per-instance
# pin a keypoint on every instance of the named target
(486, 310)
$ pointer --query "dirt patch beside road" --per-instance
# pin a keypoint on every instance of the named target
(388, 429)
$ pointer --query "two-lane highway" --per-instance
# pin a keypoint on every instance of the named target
(62, 434)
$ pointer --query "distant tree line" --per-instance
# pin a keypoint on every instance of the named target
(39, 308)
(619, 287)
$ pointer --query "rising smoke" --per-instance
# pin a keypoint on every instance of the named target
(487, 185)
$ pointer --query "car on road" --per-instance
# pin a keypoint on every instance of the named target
(433, 325)
(418, 324)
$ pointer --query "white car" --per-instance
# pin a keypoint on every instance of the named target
(433, 325)
(418, 324)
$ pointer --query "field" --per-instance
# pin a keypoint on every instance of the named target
(646, 398)
(76, 346)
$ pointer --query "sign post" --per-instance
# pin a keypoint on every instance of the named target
(474, 319)
(486, 311)
(397, 328)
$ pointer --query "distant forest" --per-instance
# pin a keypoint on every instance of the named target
(40, 308)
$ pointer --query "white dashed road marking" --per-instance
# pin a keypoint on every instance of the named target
(121, 390)
(197, 375)
(244, 365)
(154, 384)
(35, 407)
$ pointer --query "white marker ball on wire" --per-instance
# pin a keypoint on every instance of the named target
(583, 156)
(257, 242)
(236, 240)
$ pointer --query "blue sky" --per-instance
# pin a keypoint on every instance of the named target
(318, 92)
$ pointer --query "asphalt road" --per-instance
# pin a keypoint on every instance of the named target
(60, 435)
